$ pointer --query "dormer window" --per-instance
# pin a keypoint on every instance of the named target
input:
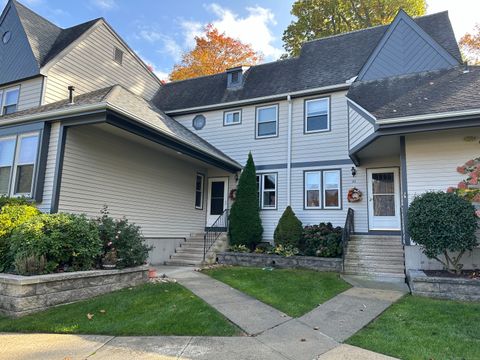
(9, 100)
(235, 77)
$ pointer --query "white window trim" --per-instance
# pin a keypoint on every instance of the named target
(320, 193)
(202, 190)
(262, 192)
(305, 120)
(339, 188)
(9, 189)
(3, 97)
(257, 136)
(226, 113)
(16, 163)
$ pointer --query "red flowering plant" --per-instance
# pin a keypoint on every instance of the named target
(469, 188)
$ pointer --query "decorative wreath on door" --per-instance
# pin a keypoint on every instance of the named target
(233, 194)
(354, 195)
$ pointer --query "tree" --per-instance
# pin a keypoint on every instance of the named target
(470, 46)
(289, 231)
(245, 225)
(213, 53)
(443, 224)
(320, 18)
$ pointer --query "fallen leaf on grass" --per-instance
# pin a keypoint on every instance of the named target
(102, 311)
(90, 316)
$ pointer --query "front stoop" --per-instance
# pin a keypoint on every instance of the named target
(375, 257)
(190, 252)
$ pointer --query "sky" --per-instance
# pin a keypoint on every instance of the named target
(161, 30)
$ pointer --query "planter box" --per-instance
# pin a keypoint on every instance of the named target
(443, 287)
(21, 295)
(261, 260)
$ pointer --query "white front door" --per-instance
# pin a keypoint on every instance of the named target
(383, 199)
(217, 198)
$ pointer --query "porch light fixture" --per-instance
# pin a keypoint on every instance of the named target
(354, 171)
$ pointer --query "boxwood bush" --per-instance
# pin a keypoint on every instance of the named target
(443, 223)
(289, 231)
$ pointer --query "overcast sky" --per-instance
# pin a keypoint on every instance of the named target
(161, 30)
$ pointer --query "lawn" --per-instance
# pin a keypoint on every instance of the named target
(151, 309)
(422, 328)
(292, 291)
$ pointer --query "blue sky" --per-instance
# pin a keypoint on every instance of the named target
(160, 30)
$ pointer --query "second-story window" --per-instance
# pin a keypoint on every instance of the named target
(9, 100)
(232, 117)
(317, 115)
(267, 121)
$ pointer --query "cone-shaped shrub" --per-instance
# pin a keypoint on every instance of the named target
(289, 230)
(245, 227)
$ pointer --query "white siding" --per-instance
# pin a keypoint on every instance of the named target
(30, 93)
(90, 66)
(360, 128)
(149, 187)
(432, 159)
(46, 203)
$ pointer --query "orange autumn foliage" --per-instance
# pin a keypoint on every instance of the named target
(213, 53)
(470, 46)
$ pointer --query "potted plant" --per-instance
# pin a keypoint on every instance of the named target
(109, 260)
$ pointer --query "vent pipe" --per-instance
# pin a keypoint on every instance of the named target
(71, 99)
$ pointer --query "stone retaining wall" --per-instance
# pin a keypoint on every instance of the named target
(442, 287)
(21, 295)
(306, 262)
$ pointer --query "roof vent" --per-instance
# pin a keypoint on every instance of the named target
(235, 77)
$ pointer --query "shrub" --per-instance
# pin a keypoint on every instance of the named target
(442, 223)
(245, 226)
(239, 249)
(289, 230)
(5, 200)
(65, 241)
(323, 240)
(287, 250)
(124, 238)
(11, 216)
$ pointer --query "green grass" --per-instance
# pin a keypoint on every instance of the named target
(151, 309)
(422, 328)
(292, 291)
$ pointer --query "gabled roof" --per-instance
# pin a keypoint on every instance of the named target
(434, 92)
(47, 39)
(120, 100)
(324, 62)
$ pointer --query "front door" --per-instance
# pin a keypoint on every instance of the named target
(217, 198)
(383, 199)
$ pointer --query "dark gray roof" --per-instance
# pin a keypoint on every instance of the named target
(419, 94)
(328, 61)
(45, 38)
(137, 108)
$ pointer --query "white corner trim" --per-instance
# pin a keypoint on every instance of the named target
(362, 108)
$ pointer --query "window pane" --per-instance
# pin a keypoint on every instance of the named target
(23, 183)
(313, 198)
(317, 107)
(331, 198)
(198, 184)
(236, 117)
(269, 128)
(331, 179)
(269, 182)
(383, 183)
(269, 198)
(384, 205)
(216, 206)
(4, 179)
(28, 149)
(7, 149)
(319, 122)
(11, 97)
(267, 114)
(9, 109)
(198, 199)
(312, 181)
(317, 115)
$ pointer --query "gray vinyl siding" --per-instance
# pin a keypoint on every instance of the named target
(30, 93)
(404, 52)
(90, 66)
(360, 128)
(152, 189)
(17, 60)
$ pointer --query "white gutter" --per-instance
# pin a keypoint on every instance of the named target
(429, 116)
(289, 148)
(262, 98)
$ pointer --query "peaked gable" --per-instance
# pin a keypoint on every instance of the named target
(17, 60)
(405, 49)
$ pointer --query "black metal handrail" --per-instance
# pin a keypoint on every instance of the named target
(348, 230)
(213, 232)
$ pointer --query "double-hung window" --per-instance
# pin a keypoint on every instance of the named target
(232, 117)
(199, 185)
(322, 189)
(18, 157)
(317, 115)
(267, 190)
(9, 100)
(267, 121)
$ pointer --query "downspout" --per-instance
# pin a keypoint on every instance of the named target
(289, 149)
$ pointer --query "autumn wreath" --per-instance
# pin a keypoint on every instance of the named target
(354, 195)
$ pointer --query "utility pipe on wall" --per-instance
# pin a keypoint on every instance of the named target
(289, 148)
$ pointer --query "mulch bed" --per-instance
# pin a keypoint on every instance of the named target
(466, 274)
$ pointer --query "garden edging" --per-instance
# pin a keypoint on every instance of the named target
(22, 295)
(305, 262)
(443, 287)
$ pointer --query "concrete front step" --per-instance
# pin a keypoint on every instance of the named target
(180, 262)
(374, 266)
(375, 243)
(375, 262)
(372, 271)
(189, 250)
(368, 255)
(375, 249)
(187, 256)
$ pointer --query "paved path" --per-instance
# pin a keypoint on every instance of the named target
(269, 333)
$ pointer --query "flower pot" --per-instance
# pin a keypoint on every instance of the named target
(152, 273)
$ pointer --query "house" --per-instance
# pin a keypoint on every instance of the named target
(389, 110)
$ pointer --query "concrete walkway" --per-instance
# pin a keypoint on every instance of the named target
(270, 334)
